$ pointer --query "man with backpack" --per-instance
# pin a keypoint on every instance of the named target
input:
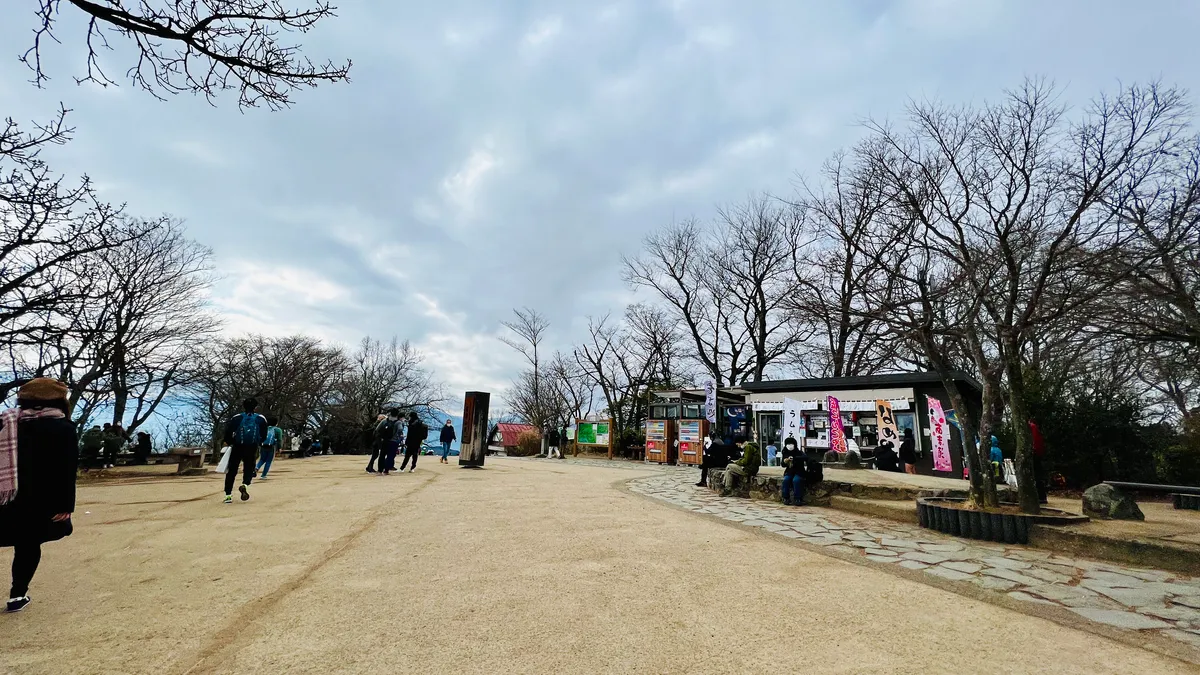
(417, 433)
(270, 446)
(244, 433)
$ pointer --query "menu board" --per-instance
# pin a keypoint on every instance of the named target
(656, 430)
(689, 431)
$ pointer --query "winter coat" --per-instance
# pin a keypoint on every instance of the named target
(46, 463)
(93, 440)
(552, 438)
(417, 433)
(448, 435)
(908, 453)
(885, 458)
(793, 461)
(995, 454)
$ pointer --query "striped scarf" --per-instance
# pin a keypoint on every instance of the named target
(8, 446)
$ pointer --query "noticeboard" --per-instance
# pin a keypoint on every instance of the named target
(592, 433)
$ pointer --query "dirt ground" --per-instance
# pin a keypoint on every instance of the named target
(525, 566)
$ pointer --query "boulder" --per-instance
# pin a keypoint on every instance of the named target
(1106, 501)
(853, 461)
(831, 457)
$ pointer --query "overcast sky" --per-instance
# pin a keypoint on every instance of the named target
(489, 154)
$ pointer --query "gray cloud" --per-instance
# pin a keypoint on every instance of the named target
(491, 155)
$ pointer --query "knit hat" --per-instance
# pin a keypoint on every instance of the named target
(42, 389)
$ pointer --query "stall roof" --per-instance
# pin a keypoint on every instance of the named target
(726, 395)
(860, 382)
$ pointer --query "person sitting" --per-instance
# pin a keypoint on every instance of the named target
(793, 473)
(746, 466)
(885, 457)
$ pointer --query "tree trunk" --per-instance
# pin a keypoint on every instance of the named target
(1027, 492)
(983, 490)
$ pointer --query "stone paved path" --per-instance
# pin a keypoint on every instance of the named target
(1105, 593)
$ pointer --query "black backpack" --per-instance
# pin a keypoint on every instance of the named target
(813, 472)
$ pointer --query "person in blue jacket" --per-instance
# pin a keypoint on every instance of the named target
(996, 457)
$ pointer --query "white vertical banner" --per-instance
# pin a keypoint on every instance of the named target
(710, 401)
(793, 422)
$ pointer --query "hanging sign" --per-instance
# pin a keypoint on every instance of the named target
(938, 435)
(710, 401)
(886, 424)
(837, 435)
(793, 424)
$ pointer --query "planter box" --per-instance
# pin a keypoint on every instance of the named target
(945, 514)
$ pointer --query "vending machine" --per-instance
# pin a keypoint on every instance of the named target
(691, 441)
(660, 441)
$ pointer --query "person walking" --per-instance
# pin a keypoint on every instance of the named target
(244, 434)
(379, 438)
(793, 473)
(92, 448)
(387, 463)
(908, 452)
(564, 442)
(447, 438)
(417, 433)
(38, 458)
(552, 442)
(272, 444)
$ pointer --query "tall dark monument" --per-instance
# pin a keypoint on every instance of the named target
(474, 441)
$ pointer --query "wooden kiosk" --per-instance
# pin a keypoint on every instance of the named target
(681, 415)
(660, 441)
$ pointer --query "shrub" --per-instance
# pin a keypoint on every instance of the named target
(529, 443)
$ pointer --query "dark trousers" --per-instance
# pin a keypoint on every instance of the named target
(245, 456)
(110, 456)
(793, 489)
(410, 453)
(25, 562)
(376, 451)
(703, 472)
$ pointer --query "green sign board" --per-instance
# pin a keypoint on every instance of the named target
(592, 433)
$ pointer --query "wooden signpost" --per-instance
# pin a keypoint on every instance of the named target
(472, 447)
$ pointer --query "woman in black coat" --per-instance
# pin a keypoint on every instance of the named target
(46, 453)
(908, 452)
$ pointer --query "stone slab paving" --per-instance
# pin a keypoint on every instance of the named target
(1105, 593)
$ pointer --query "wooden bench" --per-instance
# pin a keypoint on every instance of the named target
(1182, 496)
(191, 460)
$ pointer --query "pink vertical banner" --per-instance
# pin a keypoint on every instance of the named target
(937, 432)
(837, 435)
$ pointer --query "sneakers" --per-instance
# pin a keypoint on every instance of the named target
(245, 493)
(370, 470)
(412, 469)
(18, 604)
(228, 499)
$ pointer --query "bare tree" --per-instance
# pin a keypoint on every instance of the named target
(1013, 196)
(832, 273)
(681, 268)
(756, 238)
(528, 333)
(199, 47)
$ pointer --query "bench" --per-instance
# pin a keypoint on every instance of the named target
(1182, 496)
(190, 460)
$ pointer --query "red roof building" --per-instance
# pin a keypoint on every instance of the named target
(509, 433)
